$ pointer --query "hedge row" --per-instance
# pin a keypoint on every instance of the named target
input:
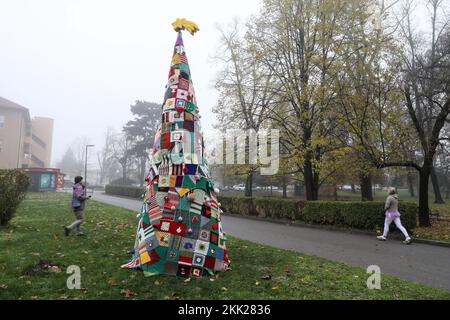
(348, 214)
(13, 187)
(126, 191)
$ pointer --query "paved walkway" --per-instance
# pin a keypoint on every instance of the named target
(421, 263)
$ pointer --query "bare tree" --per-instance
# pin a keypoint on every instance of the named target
(105, 156)
(426, 91)
(121, 146)
(246, 89)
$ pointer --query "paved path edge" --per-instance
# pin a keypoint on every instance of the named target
(334, 228)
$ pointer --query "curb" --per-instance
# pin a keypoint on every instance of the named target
(333, 228)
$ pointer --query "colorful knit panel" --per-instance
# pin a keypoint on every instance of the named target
(179, 230)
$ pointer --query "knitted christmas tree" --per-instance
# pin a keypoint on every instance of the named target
(179, 230)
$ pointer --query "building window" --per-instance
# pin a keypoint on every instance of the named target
(39, 141)
(1, 145)
(2, 121)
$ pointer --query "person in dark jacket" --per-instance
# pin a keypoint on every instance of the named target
(78, 204)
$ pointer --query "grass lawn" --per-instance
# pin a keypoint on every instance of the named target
(258, 272)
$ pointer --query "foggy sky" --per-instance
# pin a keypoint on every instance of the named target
(83, 63)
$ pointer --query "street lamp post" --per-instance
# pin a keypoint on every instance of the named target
(85, 164)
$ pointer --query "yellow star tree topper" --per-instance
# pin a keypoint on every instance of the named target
(183, 24)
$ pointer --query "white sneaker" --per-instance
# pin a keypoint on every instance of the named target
(407, 241)
(381, 238)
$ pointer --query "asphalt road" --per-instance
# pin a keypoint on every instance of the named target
(420, 263)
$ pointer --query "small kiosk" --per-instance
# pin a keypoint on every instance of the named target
(45, 179)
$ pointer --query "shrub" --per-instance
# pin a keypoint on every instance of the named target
(125, 191)
(348, 214)
(235, 204)
(13, 187)
(358, 215)
(263, 207)
(122, 182)
(355, 214)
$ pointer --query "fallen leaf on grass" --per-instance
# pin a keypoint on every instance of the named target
(3, 286)
(256, 283)
(275, 288)
(128, 293)
(266, 277)
(224, 289)
(112, 282)
(54, 269)
(157, 283)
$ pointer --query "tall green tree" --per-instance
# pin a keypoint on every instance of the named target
(140, 131)
(299, 41)
(369, 95)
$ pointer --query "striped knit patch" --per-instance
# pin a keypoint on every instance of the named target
(196, 207)
(184, 59)
(174, 198)
(177, 169)
(154, 211)
(148, 232)
(132, 264)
